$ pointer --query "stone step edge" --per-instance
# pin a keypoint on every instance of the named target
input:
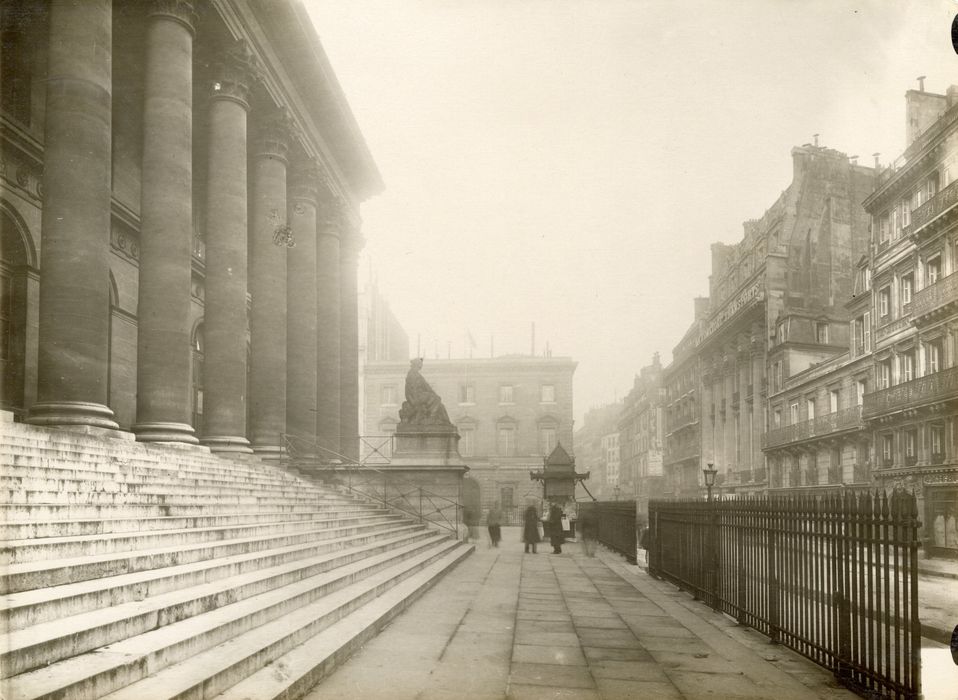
(45, 548)
(41, 644)
(74, 465)
(263, 646)
(158, 648)
(88, 566)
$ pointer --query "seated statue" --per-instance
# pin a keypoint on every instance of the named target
(423, 406)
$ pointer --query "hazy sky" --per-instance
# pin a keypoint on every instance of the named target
(568, 163)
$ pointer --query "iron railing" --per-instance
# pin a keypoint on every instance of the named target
(616, 525)
(935, 296)
(844, 419)
(393, 491)
(834, 578)
(938, 386)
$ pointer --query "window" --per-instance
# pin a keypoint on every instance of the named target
(911, 446)
(932, 270)
(547, 393)
(782, 331)
(794, 412)
(810, 408)
(887, 449)
(547, 439)
(506, 393)
(867, 323)
(884, 302)
(388, 392)
(467, 440)
(506, 498)
(906, 366)
(821, 333)
(467, 393)
(907, 288)
(905, 212)
(506, 439)
(936, 441)
(834, 399)
(860, 391)
(933, 356)
(883, 229)
(777, 418)
(884, 374)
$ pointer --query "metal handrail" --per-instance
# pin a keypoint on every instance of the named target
(402, 503)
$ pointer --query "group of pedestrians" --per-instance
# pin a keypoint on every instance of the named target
(534, 530)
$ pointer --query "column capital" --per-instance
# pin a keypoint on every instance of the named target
(272, 136)
(233, 72)
(182, 11)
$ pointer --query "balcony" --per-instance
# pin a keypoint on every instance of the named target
(937, 298)
(932, 388)
(686, 450)
(838, 421)
(684, 420)
(892, 327)
(934, 209)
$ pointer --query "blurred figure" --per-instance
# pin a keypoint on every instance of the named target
(530, 529)
(589, 527)
(494, 523)
(556, 538)
(470, 518)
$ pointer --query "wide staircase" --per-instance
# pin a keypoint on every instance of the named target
(144, 572)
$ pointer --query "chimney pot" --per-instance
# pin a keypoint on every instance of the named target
(921, 82)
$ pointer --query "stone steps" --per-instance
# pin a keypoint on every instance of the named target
(121, 663)
(135, 570)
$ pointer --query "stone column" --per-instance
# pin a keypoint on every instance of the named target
(349, 348)
(301, 306)
(75, 228)
(163, 410)
(268, 242)
(328, 309)
(225, 307)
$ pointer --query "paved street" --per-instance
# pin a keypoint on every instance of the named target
(509, 625)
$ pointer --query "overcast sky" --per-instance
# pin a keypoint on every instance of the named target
(568, 163)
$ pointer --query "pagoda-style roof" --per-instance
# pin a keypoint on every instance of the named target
(559, 465)
(559, 458)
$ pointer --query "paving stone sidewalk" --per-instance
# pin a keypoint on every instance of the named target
(505, 624)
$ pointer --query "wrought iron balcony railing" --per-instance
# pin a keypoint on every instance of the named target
(933, 208)
(935, 296)
(837, 421)
(939, 386)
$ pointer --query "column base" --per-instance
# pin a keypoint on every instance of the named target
(165, 432)
(224, 443)
(62, 414)
(269, 452)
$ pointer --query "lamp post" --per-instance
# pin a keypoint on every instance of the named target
(709, 472)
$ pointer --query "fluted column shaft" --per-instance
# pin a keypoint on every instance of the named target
(301, 306)
(163, 407)
(225, 306)
(75, 228)
(349, 349)
(267, 281)
(328, 310)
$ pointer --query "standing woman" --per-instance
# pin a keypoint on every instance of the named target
(555, 529)
(530, 528)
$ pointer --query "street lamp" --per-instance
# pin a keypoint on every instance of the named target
(710, 471)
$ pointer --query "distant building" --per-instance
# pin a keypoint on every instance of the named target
(910, 322)
(597, 449)
(682, 458)
(640, 436)
(510, 411)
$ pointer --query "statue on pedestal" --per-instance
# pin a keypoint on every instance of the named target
(423, 407)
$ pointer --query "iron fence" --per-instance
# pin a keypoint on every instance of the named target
(616, 525)
(834, 577)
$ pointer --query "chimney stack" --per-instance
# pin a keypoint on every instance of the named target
(853, 159)
(877, 164)
(921, 82)
(815, 136)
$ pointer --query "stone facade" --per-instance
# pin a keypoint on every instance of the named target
(908, 324)
(510, 413)
(641, 437)
(172, 178)
(597, 449)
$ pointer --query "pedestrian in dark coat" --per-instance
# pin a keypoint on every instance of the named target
(556, 538)
(530, 528)
(494, 523)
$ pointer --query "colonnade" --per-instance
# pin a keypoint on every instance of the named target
(261, 191)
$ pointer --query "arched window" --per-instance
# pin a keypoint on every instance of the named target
(13, 313)
(197, 351)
